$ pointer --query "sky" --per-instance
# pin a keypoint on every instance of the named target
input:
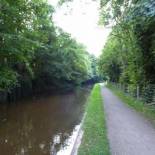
(80, 19)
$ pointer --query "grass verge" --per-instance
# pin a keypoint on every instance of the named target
(94, 141)
(139, 106)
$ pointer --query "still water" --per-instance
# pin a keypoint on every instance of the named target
(44, 125)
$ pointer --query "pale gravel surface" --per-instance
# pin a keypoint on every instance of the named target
(129, 133)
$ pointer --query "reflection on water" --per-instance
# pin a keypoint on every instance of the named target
(69, 143)
(42, 126)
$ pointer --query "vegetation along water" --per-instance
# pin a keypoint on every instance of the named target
(45, 73)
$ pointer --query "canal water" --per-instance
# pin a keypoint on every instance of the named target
(44, 125)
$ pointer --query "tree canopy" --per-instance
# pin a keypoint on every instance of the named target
(128, 56)
(34, 53)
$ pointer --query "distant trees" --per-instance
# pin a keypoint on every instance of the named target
(34, 54)
(128, 56)
(65, 64)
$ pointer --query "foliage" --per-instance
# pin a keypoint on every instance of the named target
(8, 79)
(61, 2)
(109, 63)
(34, 51)
(128, 56)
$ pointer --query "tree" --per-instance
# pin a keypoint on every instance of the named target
(34, 53)
(131, 42)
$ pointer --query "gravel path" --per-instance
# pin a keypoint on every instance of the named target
(129, 133)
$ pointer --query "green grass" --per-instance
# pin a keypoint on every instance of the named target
(146, 110)
(94, 141)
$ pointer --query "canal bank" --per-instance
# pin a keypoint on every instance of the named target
(94, 139)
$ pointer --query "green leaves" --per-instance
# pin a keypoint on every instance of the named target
(34, 51)
(66, 61)
(8, 79)
(129, 56)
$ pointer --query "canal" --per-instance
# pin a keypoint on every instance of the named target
(44, 125)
